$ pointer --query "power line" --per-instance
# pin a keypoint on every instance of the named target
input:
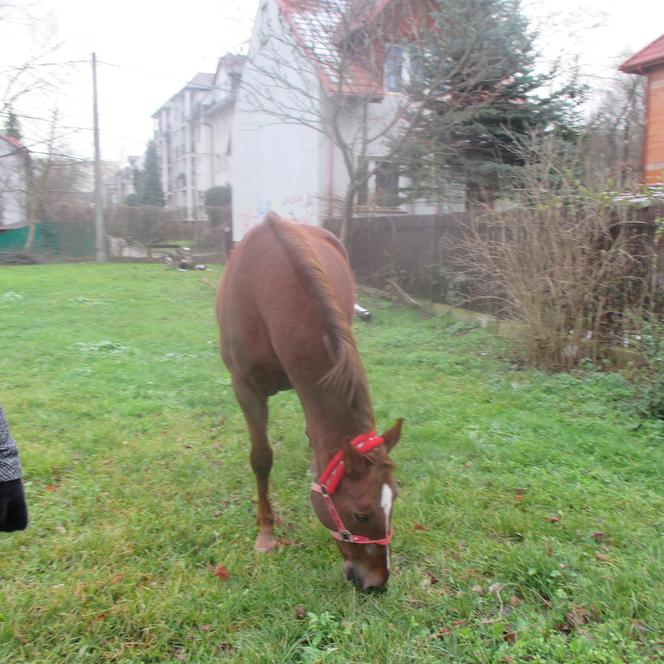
(144, 72)
(36, 65)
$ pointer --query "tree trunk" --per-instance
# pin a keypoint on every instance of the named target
(347, 217)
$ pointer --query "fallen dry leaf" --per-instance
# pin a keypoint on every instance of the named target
(478, 589)
(510, 637)
(553, 519)
(576, 617)
(221, 572)
(637, 626)
(519, 497)
(598, 535)
(300, 612)
(420, 527)
(205, 628)
(52, 487)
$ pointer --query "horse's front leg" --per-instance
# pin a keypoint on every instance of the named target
(254, 407)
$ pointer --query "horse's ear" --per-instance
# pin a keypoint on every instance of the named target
(354, 462)
(391, 436)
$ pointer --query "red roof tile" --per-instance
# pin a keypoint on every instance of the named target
(651, 55)
(13, 141)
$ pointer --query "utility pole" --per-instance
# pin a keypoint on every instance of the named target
(100, 229)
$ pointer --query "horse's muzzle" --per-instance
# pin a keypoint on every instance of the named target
(370, 583)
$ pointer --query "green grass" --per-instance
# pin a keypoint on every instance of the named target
(529, 526)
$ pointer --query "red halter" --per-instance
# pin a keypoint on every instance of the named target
(329, 482)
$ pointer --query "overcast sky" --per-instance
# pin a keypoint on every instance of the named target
(148, 49)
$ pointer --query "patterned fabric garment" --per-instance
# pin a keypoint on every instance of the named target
(10, 468)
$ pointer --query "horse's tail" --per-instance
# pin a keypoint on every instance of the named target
(344, 375)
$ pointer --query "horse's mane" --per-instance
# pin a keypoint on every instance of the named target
(346, 375)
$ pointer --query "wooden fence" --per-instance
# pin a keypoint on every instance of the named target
(425, 254)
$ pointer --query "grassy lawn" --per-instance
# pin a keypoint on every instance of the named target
(529, 528)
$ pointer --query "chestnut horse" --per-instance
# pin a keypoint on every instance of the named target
(284, 306)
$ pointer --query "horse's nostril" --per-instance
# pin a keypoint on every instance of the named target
(353, 577)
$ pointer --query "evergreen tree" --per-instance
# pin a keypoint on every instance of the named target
(12, 125)
(136, 175)
(216, 199)
(496, 99)
(148, 181)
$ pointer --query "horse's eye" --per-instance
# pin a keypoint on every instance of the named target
(362, 516)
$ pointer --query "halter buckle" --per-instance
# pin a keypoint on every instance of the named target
(346, 536)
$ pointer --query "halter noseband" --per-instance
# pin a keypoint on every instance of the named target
(329, 482)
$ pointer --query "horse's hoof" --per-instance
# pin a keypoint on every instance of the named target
(265, 543)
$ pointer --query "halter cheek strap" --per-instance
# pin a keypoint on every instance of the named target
(329, 482)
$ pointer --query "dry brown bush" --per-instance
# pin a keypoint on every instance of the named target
(566, 261)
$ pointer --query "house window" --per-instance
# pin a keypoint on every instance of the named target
(381, 189)
(393, 67)
(403, 66)
(387, 184)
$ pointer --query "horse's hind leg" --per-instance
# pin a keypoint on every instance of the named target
(254, 407)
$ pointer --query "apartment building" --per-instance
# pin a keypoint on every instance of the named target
(193, 137)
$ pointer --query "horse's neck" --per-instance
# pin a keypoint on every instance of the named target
(332, 420)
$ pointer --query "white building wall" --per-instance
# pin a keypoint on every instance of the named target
(275, 163)
(381, 116)
(290, 167)
(220, 139)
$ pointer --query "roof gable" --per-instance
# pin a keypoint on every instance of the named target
(652, 55)
(316, 26)
(202, 79)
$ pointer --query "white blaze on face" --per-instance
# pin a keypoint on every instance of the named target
(386, 503)
(386, 499)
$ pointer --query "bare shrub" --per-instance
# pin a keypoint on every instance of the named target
(145, 223)
(565, 260)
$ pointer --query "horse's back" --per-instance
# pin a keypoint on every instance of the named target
(269, 310)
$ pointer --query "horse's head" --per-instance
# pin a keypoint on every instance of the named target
(358, 512)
